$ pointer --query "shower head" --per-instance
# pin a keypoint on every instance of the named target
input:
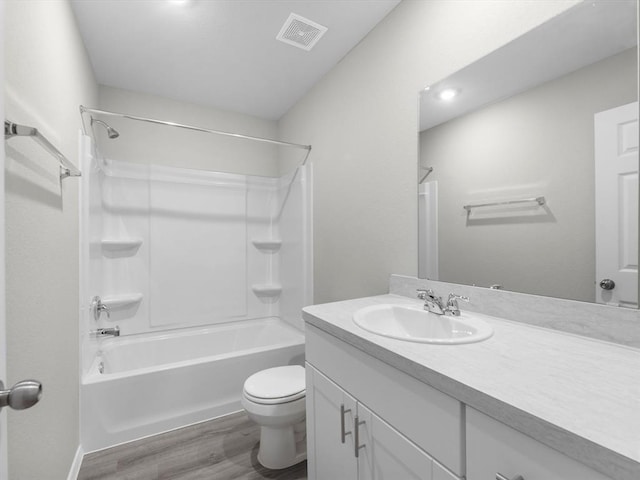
(111, 132)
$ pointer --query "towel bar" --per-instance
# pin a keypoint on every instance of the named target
(67, 169)
(538, 200)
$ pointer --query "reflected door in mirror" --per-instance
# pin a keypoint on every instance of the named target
(616, 169)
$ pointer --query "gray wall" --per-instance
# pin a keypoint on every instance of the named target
(142, 142)
(47, 75)
(539, 142)
(362, 122)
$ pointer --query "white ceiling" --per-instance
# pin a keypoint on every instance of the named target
(221, 53)
(585, 34)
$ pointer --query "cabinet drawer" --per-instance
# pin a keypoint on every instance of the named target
(493, 447)
(426, 416)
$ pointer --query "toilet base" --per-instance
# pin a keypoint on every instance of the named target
(282, 447)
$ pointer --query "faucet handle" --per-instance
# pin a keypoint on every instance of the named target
(97, 307)
(453, 298)
(452, 303)
(423, 293)
(103, 308)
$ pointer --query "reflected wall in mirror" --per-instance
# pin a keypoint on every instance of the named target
(521, 127)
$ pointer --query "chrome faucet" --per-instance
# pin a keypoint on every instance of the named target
(97, 307)
(432, 303)
(104, 332)
(452, 304)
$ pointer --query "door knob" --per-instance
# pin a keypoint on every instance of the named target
(607, 284)
(22, 395)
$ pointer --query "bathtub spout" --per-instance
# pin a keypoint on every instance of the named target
(103, 332)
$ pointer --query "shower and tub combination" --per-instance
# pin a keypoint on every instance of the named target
(195, 263)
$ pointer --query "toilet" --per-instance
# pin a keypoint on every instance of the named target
(275, 399)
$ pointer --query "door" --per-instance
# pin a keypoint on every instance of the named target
(330, 438)
(386, 454)
(616, 196)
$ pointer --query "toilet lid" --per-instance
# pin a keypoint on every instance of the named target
(276, 383)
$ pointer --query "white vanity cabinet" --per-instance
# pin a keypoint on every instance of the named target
(528, 404)
(495, 449)
(404, 429)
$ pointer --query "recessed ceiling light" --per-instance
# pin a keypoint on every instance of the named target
(447, 94)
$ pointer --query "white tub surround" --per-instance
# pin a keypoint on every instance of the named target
(191, 247)
(576, 395)
(204, 273)
(157, 382)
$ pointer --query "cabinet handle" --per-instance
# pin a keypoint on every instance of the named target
(500, 476)
(356, 442)
(343, 434)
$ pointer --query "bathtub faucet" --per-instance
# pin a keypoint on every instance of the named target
(103, 332)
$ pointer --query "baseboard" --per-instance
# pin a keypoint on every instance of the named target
(75, 466)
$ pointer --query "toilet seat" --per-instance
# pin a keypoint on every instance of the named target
(276, 385)
(275, 401)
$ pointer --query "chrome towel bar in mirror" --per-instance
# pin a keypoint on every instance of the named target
(539, 200)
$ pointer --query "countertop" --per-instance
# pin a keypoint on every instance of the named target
(577, 395)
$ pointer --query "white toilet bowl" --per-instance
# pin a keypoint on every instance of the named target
(275, 400)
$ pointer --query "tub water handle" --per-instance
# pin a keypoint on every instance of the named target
(97, 307)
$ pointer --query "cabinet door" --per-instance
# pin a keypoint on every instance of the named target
(385, 454)
(330, 418)
(426, 416)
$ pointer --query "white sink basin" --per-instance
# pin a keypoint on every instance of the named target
(414, 324)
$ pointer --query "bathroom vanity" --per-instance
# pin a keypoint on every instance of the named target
(529, 401)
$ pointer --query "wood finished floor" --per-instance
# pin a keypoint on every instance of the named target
(222, 449)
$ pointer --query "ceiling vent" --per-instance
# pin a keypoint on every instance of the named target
(300, 32)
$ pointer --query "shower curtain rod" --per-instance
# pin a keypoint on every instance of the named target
(424, 177)
(84, 109)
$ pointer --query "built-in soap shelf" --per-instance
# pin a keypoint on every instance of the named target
(267, 244)
(120, 301)
(267, 289)
(120, 244)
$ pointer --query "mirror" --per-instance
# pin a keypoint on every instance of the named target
(508, 189)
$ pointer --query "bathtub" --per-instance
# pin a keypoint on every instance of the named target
(147, 384)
